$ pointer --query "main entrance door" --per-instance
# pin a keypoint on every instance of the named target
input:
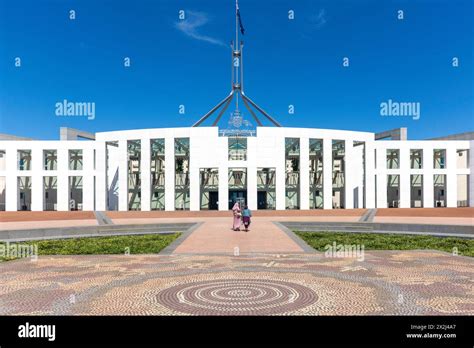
(262, 200)
(213, 200)
(237, 196)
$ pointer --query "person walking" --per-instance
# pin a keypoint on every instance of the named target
(246, 215)
(237, 216)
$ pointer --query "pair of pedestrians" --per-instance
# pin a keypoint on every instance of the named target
(241, 216)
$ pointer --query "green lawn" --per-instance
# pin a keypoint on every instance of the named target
(379, 241)
(136, 244)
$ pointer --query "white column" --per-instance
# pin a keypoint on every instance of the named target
(252, 173)
(145, 174)
(451, 178)
(194, 189)
(381, 189)
(101, 176)
(252, 187)
(348, 177)
(169, 173)
(88, 179)
(428, 180)
(327, 173)
(223, 188)
(280, 179)
(123, 175)
(63, 179)
(370, 175)
(304, 173)
(11, 180)
(36, 179)
(381, 177)
(405, 187)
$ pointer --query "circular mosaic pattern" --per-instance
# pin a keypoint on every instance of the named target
(237, 297)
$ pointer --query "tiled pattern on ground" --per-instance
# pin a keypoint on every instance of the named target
(386, 282)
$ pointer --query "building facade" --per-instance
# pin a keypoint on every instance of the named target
(197, 168)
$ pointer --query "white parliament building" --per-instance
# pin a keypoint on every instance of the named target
(207, 167)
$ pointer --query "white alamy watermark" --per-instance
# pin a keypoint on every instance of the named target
(394, 108)
(37, 331)
(19, 251)
(68, 108)
(335, 250)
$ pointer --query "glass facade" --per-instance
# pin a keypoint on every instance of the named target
(292, 168)
(75, 160)
(134, 174)
(157, 174)
(24, 192)
(266, 188)
(50, 192)
(50, 158)
(112, 175)
(237, 149)
(75, 192)
(439, 159)
(237, 181)
(209, 188)
(316, 174)
(24, 159)
(338, 174)
(181, 158)
(416, 191)
(416, 159)
(393, 191)
(403, 173)
(439, 183)
(393, 159)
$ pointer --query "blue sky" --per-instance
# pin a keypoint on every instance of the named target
(287, 62)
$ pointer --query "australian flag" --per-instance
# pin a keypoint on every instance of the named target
(242, 30)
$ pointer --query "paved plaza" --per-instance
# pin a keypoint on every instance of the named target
(213, 270)
(386, 282)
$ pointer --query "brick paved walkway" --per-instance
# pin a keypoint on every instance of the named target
(386, 282)
(215, 235)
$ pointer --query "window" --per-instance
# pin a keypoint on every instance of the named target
(50, 159)
(439, 158)
(237, 149)
(134, 174)
(315, 173)
(292, 165)
(75, 159)
(24, 159)
(157, 165)
(416, 157)
(393, 159)
(2, 160)
(181, 183)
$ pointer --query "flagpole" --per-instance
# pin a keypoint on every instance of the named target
(237, 84)
(237, 48)
(236, 24)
